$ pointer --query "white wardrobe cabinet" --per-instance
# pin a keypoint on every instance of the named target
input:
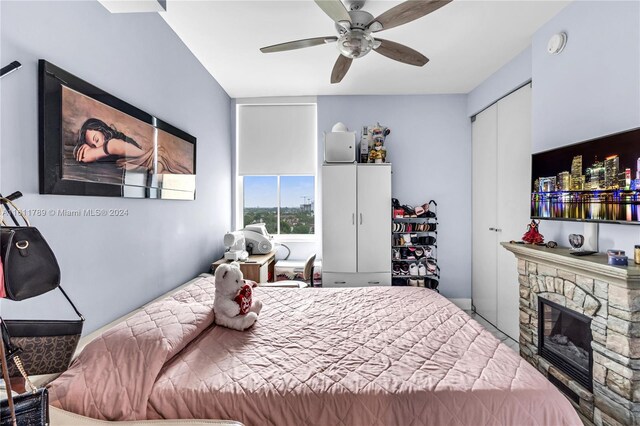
(501, 171)
(356, 218)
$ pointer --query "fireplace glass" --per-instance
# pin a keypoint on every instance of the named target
(564, 339)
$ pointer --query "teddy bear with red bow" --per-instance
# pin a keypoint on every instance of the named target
(234, 305)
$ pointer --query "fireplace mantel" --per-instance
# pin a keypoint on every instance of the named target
(593, 265)
(610, 296)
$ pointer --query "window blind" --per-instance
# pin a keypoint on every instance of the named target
(276, 139)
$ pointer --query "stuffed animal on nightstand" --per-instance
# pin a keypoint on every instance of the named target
(234, 306)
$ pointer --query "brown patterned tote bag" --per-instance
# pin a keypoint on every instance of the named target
(44, 346)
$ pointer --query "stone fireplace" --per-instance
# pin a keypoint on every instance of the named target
(580, 326)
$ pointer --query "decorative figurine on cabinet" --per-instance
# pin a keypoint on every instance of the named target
(378, 153)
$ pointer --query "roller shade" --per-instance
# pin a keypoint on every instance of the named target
(276, 139)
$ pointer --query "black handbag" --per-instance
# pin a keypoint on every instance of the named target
(28, 409)
(44, 346)
(30, 267)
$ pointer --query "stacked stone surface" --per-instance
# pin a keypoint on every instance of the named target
(613, 304)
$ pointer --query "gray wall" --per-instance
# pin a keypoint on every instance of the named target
(113, 265)
(430, 149)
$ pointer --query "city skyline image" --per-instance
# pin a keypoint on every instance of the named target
(593, 180)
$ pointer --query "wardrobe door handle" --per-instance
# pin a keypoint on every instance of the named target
(360, 218)
(498, 230)
(353, 218)
(492, 229)
(374, 282)
(339, 282)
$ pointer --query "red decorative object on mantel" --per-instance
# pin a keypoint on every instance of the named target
(533, 236)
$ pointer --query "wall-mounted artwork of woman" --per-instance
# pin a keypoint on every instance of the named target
(103, 144)
(98, 141)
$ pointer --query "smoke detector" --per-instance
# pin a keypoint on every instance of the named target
(557, 42)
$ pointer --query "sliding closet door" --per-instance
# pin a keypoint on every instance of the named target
(513, 196)
(484, 140)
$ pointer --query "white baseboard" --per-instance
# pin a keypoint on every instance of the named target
(464, 304)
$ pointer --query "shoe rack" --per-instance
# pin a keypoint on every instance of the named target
(414, 243)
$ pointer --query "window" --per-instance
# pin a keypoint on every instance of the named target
(276, 168)
(285, 204)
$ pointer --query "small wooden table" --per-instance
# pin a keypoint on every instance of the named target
(259, 267)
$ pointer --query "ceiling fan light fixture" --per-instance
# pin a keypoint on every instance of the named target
(355, 44)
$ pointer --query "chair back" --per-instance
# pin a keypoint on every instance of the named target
(307, 274)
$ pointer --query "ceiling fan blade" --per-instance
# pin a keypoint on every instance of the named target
(340, 69)
(298, 44)
(401, 53)
(335, 9)
(406, 12)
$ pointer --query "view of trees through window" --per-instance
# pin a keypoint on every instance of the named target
(295, 211)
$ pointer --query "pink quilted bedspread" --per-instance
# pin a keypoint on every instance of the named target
(361, 356)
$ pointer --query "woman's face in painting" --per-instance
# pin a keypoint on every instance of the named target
(94, 138)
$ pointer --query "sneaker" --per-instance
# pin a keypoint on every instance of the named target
(419, 252)
(404, 253)
(432, 284)
(404, 269)
(406, 238)
(422, 270)
(396, 254)
(421, 282)
(432, 267)
(396, 269)
(413, 269)
(428, 252)
(411, 254)
(413, 283)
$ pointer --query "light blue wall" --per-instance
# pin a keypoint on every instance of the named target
(430, 149)
(593, 87)
(514, 74)
(113, 265)
(589, 90)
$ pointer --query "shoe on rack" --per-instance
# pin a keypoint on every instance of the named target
(432, 267)
(403, 253)
(428, 252)
(404, 269)
(421, 282)
(413, 283)
(428, 212)
(411, 254)
(396, 254)
(409, 211)
(413, 238)
(420, 211)
(396, 269)
(419, 252)
(406, 238)
(413, 269)
(432, 284)
(398, 282)
(422, 270)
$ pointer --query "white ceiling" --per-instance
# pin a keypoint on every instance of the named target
(466, 41)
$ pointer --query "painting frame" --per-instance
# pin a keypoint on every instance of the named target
(52, 81)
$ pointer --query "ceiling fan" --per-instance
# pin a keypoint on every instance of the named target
(355, 28)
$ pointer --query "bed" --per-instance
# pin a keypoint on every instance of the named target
(357, 356)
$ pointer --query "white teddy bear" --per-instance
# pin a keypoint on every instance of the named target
(233, 305)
